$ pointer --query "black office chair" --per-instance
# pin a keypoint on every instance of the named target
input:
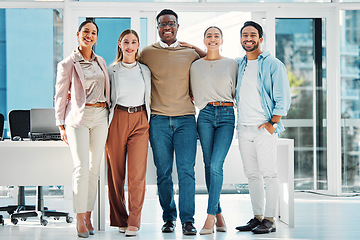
(19, 124)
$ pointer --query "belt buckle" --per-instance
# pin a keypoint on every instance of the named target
(131, 109)
(218, 104)
(96, 104)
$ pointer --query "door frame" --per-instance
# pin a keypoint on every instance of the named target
(72, 15)
(333, 113)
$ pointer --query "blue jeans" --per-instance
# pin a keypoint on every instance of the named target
(169, 134)
(216, 129)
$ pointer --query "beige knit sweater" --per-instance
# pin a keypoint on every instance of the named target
(170, 72)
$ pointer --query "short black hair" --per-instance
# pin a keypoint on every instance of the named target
(255, 25)
(86, 22)
(166, 12)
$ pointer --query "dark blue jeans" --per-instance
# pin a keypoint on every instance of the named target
(169, 134)
(216, 129)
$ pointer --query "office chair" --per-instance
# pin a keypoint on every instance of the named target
(19, 124)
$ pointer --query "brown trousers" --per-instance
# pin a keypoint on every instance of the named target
(128, 135)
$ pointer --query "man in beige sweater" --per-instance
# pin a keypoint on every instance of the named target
(172, 123)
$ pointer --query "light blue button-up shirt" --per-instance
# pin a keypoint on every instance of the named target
(274, 85)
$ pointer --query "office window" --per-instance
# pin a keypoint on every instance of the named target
(31, 0)
(143, 32)
(31, 43)
(2, 63)
(109, 32)
(274, 1)
(193, 25)
(137, 0)
(302, 50)
(350, 96)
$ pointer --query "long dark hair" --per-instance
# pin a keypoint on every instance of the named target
(86, 22)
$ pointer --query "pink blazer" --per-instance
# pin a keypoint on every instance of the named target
(70, 79)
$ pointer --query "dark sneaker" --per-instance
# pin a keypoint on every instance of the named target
(168, 227)
(253, 223)
(266, 226)
(188, 228)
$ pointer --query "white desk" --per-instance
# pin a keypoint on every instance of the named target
(43, 163)
(285, 165)
(29, 163)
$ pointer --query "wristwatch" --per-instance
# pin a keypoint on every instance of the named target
(275, 125)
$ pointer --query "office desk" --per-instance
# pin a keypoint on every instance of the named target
(42, 163)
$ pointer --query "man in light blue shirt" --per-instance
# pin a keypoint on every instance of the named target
(263, 97)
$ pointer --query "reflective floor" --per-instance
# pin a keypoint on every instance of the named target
(316, 217)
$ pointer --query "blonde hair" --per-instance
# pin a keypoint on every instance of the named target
(119, 53)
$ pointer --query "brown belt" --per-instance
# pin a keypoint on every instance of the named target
(98, 104)
(227, 104)
(131, 109)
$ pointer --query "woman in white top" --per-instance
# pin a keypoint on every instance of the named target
(128, 133)
(81, 111)
(213, 81)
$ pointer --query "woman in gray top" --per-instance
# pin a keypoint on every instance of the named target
(213, 81)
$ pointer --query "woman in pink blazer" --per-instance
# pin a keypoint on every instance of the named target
(81, 108)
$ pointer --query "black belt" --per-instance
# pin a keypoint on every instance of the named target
(131, 109)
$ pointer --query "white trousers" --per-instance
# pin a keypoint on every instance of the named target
(87, 145)
(258, 153)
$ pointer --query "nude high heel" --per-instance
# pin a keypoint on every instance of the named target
(91, 232)
(131, 233)
(221, 228)
(205, 231)
(83, 234)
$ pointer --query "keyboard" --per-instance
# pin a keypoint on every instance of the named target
(45, 136)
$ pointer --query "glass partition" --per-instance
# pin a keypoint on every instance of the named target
(274, 1)
(2, 64)
(109, 32)
(350, 96)
(31, 45)
(136, 0)
(301, 50)
(31, 0)
(193, 25)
